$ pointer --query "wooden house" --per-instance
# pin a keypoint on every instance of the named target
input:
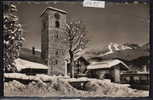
(30, 68)
(136, 59)
(139, 80)
(110, 69)
(80, 67)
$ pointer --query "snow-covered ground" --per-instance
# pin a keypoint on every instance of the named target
(59, 86)
(44, 85)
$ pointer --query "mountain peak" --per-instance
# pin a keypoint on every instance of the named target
(112, 47)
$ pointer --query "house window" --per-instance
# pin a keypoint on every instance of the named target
(57, 16)
(143, 78)
(127, 78)
(56, 53)
(136, 78)
(56, 36)
(57, 24)
(56, 61)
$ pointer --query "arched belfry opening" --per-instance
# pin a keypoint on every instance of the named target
(57, 24)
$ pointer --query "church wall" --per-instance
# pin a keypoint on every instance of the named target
(52, 41)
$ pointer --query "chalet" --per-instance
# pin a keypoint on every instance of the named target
(138, 80)
(110, 69)
(30, 68)
(136, 59)
(81, 64)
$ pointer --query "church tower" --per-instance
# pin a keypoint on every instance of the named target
(52, 36)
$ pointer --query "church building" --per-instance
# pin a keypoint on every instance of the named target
(52, 37)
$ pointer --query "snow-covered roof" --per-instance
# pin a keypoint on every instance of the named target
(77, 55)
(55, 9)
(107, 64)
(23, 64)
(25, 77)
(15, 75)
(21, 76)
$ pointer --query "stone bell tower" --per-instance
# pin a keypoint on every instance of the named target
(52, 36)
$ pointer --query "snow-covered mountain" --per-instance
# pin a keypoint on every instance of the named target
(113, 47)
(110, 48)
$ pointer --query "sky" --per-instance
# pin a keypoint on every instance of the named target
(117, 23)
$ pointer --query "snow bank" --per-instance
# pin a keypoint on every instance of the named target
(58, 86)
(107, 88)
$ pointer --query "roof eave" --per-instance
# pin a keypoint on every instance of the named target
(55, 9)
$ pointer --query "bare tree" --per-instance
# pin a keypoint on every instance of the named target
(13, 37)
(76, 40)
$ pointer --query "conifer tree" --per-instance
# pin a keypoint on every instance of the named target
(13, 37)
